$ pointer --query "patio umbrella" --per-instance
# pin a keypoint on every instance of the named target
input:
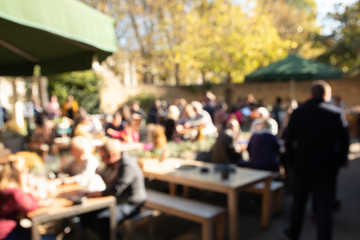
(293, 68)
(296, 68)
(57, 35)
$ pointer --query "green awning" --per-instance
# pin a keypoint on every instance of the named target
(58, 35)
(294, 67)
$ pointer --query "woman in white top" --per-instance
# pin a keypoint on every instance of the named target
(83, 167)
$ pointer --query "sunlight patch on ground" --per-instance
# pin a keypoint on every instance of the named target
(354, 151)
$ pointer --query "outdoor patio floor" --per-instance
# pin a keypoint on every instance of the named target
(346, 220)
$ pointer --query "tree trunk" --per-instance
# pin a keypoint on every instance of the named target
(229, 90)
(177, 74)
(203, 76)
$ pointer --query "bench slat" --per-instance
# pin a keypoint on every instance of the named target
(201, 209)
(273, 186)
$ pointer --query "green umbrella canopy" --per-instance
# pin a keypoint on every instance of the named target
(58, 35)
(293, 67)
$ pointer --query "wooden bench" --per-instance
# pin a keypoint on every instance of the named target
(276, 189)
(144, 215)
(189, 209)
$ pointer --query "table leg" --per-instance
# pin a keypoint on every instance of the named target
(186, 191)
(232, 199)
(220, 226)
(35, 235)
(113, 221)
(266, 200)
(172, 188)
(206, 233)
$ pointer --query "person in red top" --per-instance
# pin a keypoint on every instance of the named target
(127, 135)
(15, 202)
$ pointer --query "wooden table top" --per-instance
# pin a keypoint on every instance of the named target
(64, 198)
(188, 172)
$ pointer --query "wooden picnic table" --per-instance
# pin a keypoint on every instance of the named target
(63, 207)
(170, 170)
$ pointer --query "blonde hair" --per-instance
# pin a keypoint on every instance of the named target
(188, 111)
(158, 137)
(173, 112)
(32, 161)
(82, 143)
(197, 106)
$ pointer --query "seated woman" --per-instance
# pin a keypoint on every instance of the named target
(183, 127)
(157, 140)
(127, 135)
(170, 122)
(263, 148)
(82, 169)
(220, 115)
(122, 130)
(15, 199)
(225, 148)
(82, 125)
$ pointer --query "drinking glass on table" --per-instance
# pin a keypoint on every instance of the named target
(38, 186)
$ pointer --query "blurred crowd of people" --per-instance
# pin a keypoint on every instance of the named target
(263, 126)
(247, 126)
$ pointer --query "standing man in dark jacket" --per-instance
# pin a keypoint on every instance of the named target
(317, 145)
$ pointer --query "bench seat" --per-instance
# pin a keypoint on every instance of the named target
(144, 215)
(189, 209)
(276, 189)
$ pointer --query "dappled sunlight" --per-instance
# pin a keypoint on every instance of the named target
(354, 152)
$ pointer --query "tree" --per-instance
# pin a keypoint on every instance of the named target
(343, 43)
(84, 86)
(229, 43)
(295, 21)
(173, 30)
(182, 41)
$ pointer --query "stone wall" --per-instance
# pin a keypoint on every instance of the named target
(113, 95)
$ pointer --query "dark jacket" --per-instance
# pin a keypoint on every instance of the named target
(263, 149)
(317, 141)
(125, 180)
(117, 128)
(223, 150)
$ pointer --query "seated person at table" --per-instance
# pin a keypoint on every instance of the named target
(70, 108)
(137, 110)
(157, 140)
(116, 124)
(124, 180)
(82, 169)
(127, 134)
(224, 149)
(183, 127)
(263, 148)
(262, 114)
(170, 122)
(15, 199)
(203, 119)
(82, 125)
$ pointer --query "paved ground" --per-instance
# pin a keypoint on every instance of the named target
(346, 220)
